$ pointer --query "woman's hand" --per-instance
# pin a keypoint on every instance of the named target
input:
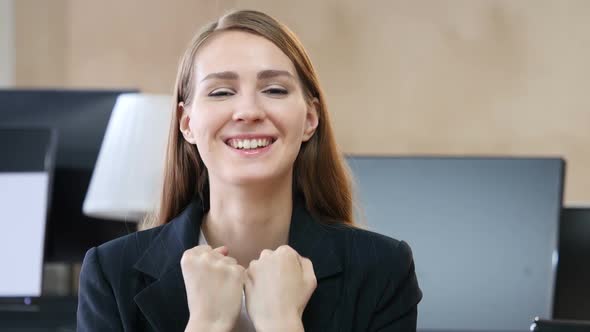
(278, 287)
(214, 284)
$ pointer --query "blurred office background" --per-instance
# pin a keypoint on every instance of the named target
(443, 77)
(458, 78)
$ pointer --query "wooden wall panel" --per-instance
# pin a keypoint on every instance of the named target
(41, 43)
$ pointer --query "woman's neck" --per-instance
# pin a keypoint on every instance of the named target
(248, 219)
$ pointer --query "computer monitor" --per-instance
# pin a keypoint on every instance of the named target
(483, 232)
(572, 294)
(27, 157)
(81, 118)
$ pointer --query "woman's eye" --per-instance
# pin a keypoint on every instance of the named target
(221, 93)
(275, 91)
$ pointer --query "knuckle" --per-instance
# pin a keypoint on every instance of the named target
(188, 255)
(307, 262)
(253, 264)
(208, 258)
(229, 260)
(202, 249)
(237, 270)
(283, 247)
(266, 253)
(285, 250)
(184, 260)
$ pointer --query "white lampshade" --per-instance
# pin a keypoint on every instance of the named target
(128, 174)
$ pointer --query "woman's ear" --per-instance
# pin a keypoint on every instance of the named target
(311, 119)
(184, 122)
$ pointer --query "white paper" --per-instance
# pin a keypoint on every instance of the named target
(23, 213)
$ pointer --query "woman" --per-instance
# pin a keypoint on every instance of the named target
(255, 229)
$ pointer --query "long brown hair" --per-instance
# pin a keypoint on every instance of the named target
(320, 174)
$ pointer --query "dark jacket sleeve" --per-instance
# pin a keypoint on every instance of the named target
(397, 308)
(97, 308)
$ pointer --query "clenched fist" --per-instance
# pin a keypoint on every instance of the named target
(214, 284)
(278, 286)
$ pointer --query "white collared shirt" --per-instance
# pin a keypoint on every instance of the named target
(243, 324)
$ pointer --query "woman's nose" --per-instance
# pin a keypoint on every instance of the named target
(248, 109)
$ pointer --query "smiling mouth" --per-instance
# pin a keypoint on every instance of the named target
(250, 144)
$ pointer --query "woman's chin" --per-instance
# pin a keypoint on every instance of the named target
(253, 179)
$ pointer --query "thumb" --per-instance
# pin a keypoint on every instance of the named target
(222, 250)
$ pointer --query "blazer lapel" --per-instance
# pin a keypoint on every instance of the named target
(163, 302)
(313, 240)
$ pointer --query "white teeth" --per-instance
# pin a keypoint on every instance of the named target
(249, 143)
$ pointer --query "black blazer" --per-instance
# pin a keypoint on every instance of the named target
(366, 281)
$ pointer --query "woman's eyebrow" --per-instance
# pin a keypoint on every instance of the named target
(224, 75)
(272, 73)
(265, 74)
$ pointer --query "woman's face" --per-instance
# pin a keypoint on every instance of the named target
(248, 116)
